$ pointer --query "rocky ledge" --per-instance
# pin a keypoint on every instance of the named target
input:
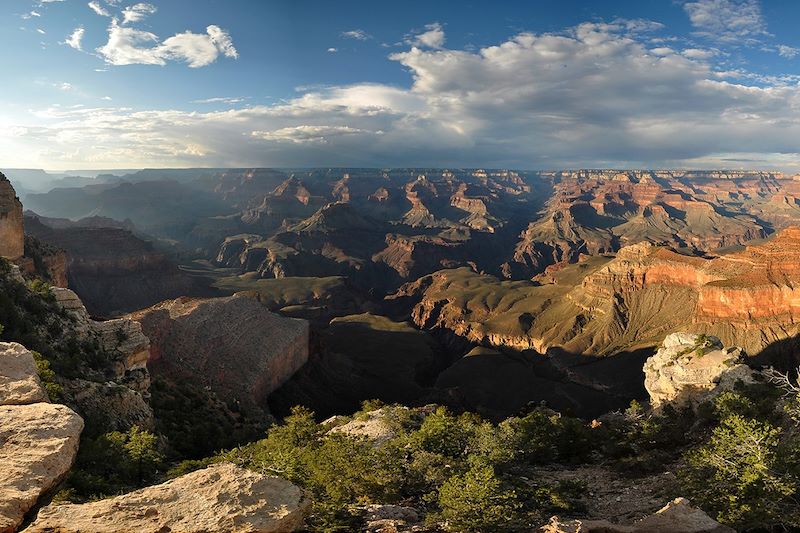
(222, 497)
(38, 440)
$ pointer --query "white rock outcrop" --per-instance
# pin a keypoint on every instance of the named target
(689, 369)
(38, 440)
(374, 425)
(222, 497)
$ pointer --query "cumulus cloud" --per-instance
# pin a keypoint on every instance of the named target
(359, 35)
(592, 96)
(98, 8)
(332, 50)
(432, 37)
(74, 39)
(729, 21)
(137, 12)
(130, 46)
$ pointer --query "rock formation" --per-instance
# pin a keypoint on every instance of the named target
(689, 369)
(38, 440)
(375, 426)
(19, 382)
(678, 516)
(232, 345)
(113, 270)
(12, 235)
(222, 497)
(118, 396)
(606, 304)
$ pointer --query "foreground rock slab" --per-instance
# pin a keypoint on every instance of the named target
(678, 516)
(222, 497)
(38, 444)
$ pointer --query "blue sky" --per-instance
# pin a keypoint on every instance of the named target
(529, 84)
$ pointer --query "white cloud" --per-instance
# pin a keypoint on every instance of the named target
(789, 52)
(332, 50)
(40, 31)
(137, 12)
(730, 21)
(432, 37)
(359, 35)
(129, 46)
(592, 96)
(220, 100)
(65, 86)
(698, 53)
(223, 41)
(309, 134)
(31, 14)
(107, 98)
(98, 8)
(74, 39)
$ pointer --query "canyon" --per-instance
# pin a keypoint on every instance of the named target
(204, 305)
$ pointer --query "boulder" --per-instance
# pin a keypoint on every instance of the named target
(222, 497)
(375, 426)
(391, 519)
(38, 444)
(678, 516)
(19, 381)
(689, 369)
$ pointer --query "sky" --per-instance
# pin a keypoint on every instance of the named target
(542, 84)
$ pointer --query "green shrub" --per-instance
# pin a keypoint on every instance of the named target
(112, 463)
(48, 377)
(478, 501)
(746, 474)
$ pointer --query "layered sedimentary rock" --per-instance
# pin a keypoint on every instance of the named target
(221, 497)
(12, 235)
(38, 440)
(689, 369)
(113, 270)
(601, 211)
(232, 345)
(606, 304)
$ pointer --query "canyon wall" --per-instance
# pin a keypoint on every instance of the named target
(12, 235)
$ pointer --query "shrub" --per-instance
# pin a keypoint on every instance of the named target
(48, 377)
(478, 501)
(747, 474)
(114, 462)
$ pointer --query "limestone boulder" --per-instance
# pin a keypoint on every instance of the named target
(222, 497)
(38, 444)
(689, 369)
(19, 382)
(375, 425)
